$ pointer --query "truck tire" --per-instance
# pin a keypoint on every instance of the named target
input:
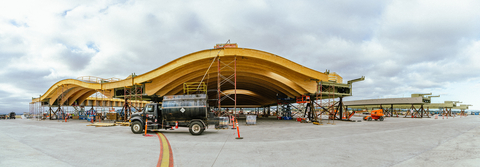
(381, 118)
(369, 118)
(196, 128)
(137, 127)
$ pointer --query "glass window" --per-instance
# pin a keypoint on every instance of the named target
(150, 108)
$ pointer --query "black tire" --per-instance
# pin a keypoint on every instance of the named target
(196, 128)
(369, 118)
(381, 118)
(137, 127)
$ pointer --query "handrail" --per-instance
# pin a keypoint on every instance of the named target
(97, 79)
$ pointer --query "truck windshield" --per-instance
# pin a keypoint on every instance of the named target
(150, 108)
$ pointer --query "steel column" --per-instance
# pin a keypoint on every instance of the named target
(218, 84)
(391, 110)
(235, 73)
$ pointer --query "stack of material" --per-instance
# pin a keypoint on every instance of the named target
(112, 116)
(222, 123)
(122, 123)
(101, 124)
(251, 119)
(98, 116)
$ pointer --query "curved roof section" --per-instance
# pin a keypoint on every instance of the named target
(263, 75)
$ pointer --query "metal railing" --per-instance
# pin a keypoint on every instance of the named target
(97, 79)
(194, 87)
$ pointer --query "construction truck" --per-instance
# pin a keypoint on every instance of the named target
(190, 111)
(12, 115)
(375, 115)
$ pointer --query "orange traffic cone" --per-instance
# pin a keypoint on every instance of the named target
(238, 132)
(231, 121)
(146, 135)
(233, 127)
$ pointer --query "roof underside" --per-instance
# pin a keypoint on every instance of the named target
(261, 77)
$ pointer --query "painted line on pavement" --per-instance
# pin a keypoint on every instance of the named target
(166, 157)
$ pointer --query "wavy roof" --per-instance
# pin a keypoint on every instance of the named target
(261, 76)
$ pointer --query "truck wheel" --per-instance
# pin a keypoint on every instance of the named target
(137, 127)
(381, 118)
(369, 118)
(196, 128)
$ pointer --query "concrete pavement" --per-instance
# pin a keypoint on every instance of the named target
(393, 142)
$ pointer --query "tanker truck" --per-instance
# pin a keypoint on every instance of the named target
(190, 111)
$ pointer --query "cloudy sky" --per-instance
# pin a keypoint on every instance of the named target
(401, 47)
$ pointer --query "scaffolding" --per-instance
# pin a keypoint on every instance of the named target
(328, 103)
(36, 109)
(222, 79)
(389, 112)
(416, 113)
(134, 92)
(100, 103)
(284, 107)
(59, 113)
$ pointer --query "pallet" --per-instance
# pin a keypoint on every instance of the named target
(101, 124)
(122, 123)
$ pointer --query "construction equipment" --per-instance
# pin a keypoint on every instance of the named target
(347, 115)
(375, 115)
(190, 111)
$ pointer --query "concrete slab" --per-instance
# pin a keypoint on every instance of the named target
(393, 142)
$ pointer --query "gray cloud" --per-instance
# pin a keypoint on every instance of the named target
(401, 47)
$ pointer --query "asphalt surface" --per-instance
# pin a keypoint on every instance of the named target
(393, 142)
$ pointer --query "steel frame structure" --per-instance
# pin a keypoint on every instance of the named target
(221, 80)
(130, 93)
(414, 112)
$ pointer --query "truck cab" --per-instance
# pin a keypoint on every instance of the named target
(190, 111)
